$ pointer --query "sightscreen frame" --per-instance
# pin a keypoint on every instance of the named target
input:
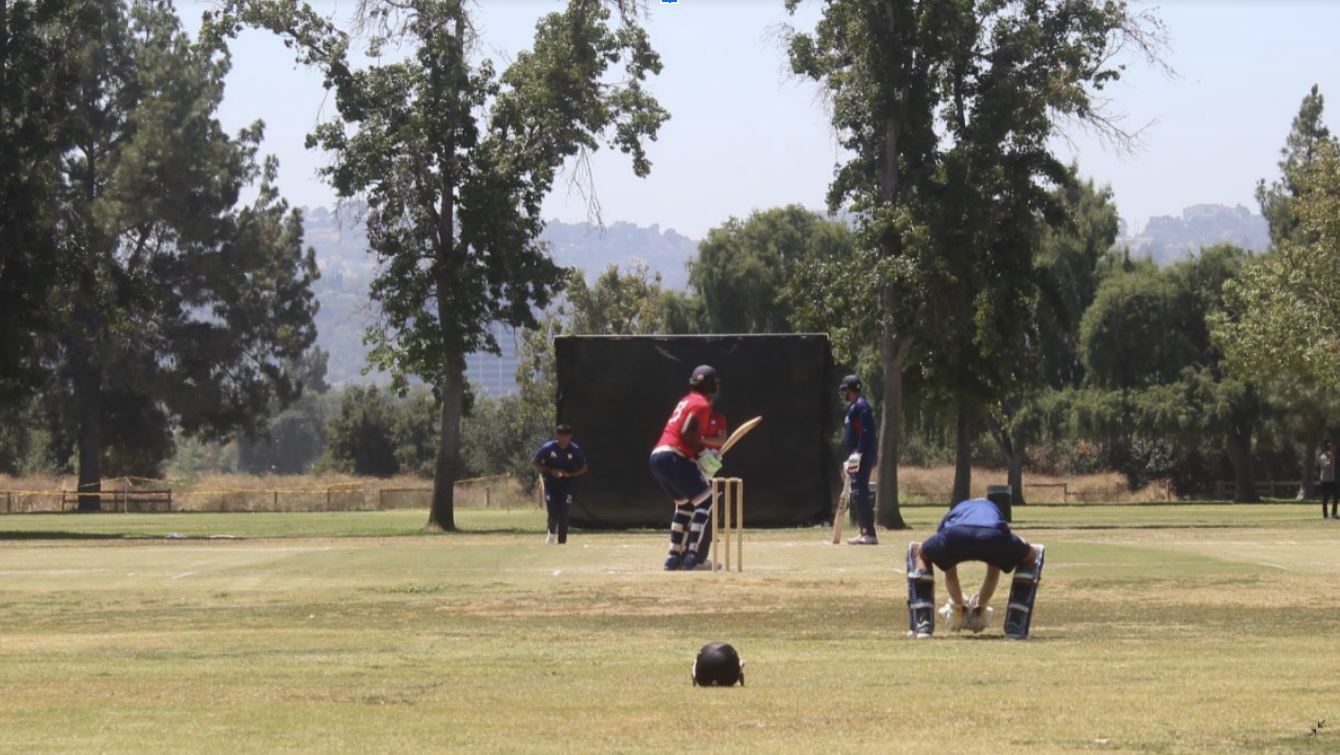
(618, 392)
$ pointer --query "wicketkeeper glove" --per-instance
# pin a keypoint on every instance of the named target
(709, 463)
(853, 463)
(954, 615)
(977, 616)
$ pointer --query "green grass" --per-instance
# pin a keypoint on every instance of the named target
(1184, 628)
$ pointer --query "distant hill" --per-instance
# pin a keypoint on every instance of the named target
(1167, 239)
(347, 269)
(592, 249)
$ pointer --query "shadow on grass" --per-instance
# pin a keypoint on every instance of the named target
(1152, 526)
(25, 535)
(64, 535)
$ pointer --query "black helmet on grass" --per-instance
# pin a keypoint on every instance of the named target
(718, 665)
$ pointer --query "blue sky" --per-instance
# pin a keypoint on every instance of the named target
(745, 135)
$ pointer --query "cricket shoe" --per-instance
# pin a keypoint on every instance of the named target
(690, 562)
(863, 540)
(672, 562)
(549, 539)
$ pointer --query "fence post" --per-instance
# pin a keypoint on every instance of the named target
(327, 499)
(9, 502)
(381, 499)
(488, 497)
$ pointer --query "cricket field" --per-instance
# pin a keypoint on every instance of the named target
(1159, 628)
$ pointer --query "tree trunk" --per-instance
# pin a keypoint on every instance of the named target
(89, 396)
(893, 353)
(442, 515)
(1015, 475)
(1309, 481)
(447, 469)
(962, 456)
(1013, 450)
(1239, 449)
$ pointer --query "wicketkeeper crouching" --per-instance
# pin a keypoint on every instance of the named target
(973, 530)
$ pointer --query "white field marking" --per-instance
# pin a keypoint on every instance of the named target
(51, 572)
(557, 572)
(248, 549)
(183, 574)
(1273, 566)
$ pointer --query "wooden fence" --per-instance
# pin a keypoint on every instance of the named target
(1225, 489)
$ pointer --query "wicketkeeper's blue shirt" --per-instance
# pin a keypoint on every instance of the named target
(975, 512)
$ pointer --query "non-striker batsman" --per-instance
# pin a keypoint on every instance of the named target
(858, 433)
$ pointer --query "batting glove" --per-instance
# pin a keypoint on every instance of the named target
(709, 463)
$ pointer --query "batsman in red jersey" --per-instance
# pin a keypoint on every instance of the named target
(683, 460)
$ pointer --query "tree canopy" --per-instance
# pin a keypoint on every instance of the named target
(453, 161)
(947, 110)
(744, 267)
(166, 300)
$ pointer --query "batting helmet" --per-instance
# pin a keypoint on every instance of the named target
(718, 665)
(850, 382)
(704, 378)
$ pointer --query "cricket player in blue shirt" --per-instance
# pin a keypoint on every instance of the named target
(863, 450)
(558, 461)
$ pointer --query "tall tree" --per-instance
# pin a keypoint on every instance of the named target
(183, 305)
(910, 82)
(1307, 135)
(1147, 339)
(453, 162)
(743, 267)
(39, 42)
(1068, 266)
(1280, 314)
(1303, 403)
(1072, 260)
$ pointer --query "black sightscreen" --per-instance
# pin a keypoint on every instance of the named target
(618, 392)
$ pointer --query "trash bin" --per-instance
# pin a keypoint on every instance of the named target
(1002, 496)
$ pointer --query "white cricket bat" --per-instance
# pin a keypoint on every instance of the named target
(840, 516)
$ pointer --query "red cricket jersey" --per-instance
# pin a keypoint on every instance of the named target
(716, 425)
(694, 405)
